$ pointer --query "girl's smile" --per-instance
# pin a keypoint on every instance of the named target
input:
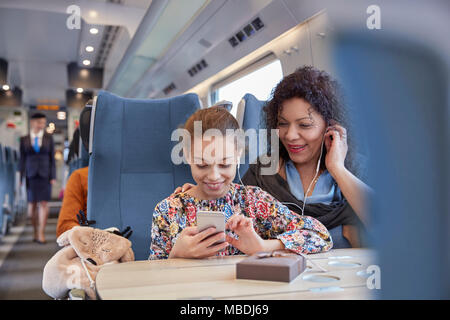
(214, 171)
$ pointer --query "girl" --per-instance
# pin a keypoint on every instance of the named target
(256, 221)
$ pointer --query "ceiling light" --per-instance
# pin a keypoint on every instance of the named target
(5, 87)
(61, 115)
(93, 14)
(93, 30)
(84, 73)
(89, 48)
(80, 90)
(86, 62)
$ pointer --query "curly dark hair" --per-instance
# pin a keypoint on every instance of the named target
(318, 89)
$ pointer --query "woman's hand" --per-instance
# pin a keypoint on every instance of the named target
(353, 189)
(184, 188)
(249, 241)
(336, 144)
(194, 244)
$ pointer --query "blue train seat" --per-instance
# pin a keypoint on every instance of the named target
(249, 116)
(10, 183)
(4, 213)
(130, 167)
(400, 81)
(2, 188)
(20, 202)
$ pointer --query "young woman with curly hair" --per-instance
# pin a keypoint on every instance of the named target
(315, 158)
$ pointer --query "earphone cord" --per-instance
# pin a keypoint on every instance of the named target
(305, 196)
(240, 180)
(317, 170)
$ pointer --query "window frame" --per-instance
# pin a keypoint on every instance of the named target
(254, 66)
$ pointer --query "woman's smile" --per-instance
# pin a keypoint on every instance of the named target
(215, 169)
(296, 148)
(214, 186)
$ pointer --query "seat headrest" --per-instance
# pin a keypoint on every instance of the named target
(224, 103)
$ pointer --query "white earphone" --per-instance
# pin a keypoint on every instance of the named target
(312, 181)
(239, 176)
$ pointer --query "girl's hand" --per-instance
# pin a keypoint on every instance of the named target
(249, 241)
(194, 244)
(184, 188)
(336, 144)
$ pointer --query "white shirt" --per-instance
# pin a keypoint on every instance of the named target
(39, 135)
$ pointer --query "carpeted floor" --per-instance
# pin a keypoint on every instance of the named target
(21, 270)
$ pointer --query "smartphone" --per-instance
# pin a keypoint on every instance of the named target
(207, 219)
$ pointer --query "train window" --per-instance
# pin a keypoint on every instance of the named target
(258, 82)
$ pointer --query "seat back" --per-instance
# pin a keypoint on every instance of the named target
(399, 89)
(130, 167)
(3, 186)
(250, 116)
(19, 199)
(10, 176)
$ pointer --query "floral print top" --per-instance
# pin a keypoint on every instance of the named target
(271, 220)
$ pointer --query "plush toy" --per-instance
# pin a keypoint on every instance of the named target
(85, 251)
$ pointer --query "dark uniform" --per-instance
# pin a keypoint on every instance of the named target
(38, 167)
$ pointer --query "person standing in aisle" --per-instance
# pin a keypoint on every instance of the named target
(37, 166)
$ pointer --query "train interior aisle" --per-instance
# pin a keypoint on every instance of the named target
(333, 98)
(22, 260)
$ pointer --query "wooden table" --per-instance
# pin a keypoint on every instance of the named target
(215, 278)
